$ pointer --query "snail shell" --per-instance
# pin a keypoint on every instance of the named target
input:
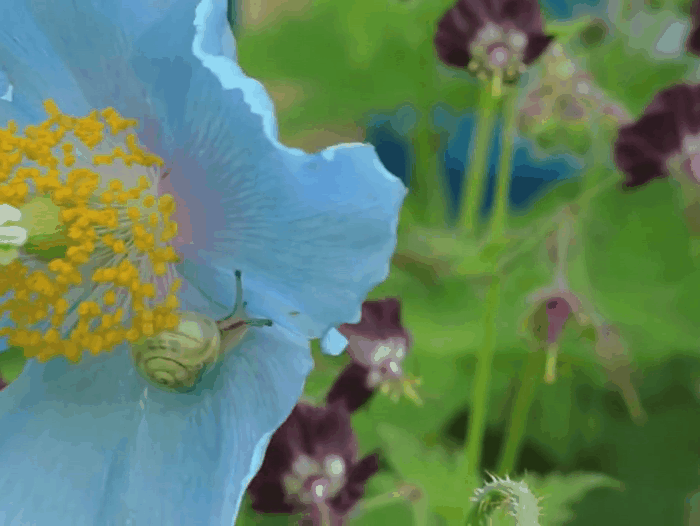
(175, 359)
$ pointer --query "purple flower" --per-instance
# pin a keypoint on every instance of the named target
(378, 345)
(558, 306)
(2, 383)
(664, 141)
(311, 467)
(490, 35)
(693, 43)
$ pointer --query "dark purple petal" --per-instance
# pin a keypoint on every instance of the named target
(380, 321)
(268, 496)
(458, 28)
(694, 41)
(638, 165)
(536, 45)
(524, 14)
(327, 430)
(354, 488)
(454, 33)
(2, 384)
(643, 148)
(265, 489)
(350, 388)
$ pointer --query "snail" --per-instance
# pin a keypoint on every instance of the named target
(175, 359)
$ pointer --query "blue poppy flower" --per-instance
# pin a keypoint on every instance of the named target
(88, 440)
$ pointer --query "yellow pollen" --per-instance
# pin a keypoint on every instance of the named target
(116, 229)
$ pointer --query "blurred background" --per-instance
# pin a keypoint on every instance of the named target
(342, 71)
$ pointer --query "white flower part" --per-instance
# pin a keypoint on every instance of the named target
(11, 235)
(583, 88)
(517, 39)
(334, 465)
(691, 144)
(385, 361)
(489, 33)
(671, 41)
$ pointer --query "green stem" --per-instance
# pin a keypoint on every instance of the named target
(482, 381)
(505, 165)
(427, 198)
(478, 159)
(531, 377)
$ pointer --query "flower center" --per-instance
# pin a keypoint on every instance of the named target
(496, 52)
(386, 362)
(499, 56)
(311, 482)
(97, 267)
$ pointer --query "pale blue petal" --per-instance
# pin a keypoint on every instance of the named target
(312, 234)
(89, 445)
(333, 343)
(94, 39)
(30, 65)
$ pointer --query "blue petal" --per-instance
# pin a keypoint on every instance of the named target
(78, 51)
(312, 234)
(90, 444)
(333, 342)
(31, 66)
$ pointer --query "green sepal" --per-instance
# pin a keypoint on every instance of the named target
(47, 237)
(8, 253)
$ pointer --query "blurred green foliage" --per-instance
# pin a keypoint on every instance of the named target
(631, 261)
(363, 57)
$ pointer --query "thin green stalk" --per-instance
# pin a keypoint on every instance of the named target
(427, 199)
(531, 378)
(482, 381)
(477, 161)
(505, 164)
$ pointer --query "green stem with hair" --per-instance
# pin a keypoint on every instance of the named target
(482, 381)
(478, 162)
(505, 164)
(530, 380)
(427, 199)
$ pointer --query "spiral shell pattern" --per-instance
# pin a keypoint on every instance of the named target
(175, 359)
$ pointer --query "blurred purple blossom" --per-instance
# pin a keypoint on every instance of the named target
(489, 35)
(378, 345)
(664, 140)
(311, 467)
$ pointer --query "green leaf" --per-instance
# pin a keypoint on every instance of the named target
(630, 75)
(565, 31)
(557, 492)
(641, 274)
(434, 469)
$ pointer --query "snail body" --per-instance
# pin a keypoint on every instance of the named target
(174, 359)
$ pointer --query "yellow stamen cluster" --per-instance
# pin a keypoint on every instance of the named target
(119, 238)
